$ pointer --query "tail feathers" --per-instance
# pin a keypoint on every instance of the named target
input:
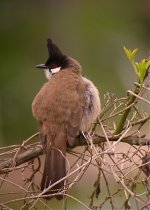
(54, 170)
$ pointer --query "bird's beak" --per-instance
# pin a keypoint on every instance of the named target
(41, 66)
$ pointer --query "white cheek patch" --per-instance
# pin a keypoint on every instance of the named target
(48, 74)
(55, 70)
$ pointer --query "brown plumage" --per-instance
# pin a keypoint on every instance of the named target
(59, 109)
(67, 104)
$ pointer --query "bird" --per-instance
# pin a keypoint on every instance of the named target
(65, 106)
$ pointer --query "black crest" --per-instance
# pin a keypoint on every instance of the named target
(55, 55)
(53, 50)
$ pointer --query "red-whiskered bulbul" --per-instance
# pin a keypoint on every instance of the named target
(67, 104)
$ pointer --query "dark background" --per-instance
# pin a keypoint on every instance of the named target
(93, 32)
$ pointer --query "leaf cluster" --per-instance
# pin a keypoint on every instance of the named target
(140, 68)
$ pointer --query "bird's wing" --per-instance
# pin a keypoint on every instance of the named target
(76, 116)
(74, 125)
(43, 137)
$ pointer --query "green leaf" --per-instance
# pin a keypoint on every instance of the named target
(142, 69)
(130, 54)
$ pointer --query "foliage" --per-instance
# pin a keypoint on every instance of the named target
(141, 68)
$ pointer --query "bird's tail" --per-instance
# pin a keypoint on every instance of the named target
(54, 170)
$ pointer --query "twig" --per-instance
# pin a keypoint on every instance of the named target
(139, 97)
(26, 156)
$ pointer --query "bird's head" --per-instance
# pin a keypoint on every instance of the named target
(56, 61)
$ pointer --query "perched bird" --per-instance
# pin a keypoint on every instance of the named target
(67, 104)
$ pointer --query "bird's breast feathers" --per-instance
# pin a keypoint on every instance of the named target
(59, 95)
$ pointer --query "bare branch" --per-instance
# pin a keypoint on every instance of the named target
(37, 150)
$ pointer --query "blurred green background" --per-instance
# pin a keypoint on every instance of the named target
(93, 32)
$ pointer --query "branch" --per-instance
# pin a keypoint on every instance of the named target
(37, 150)
(123, 118)
(132, 96)
(24, 157)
